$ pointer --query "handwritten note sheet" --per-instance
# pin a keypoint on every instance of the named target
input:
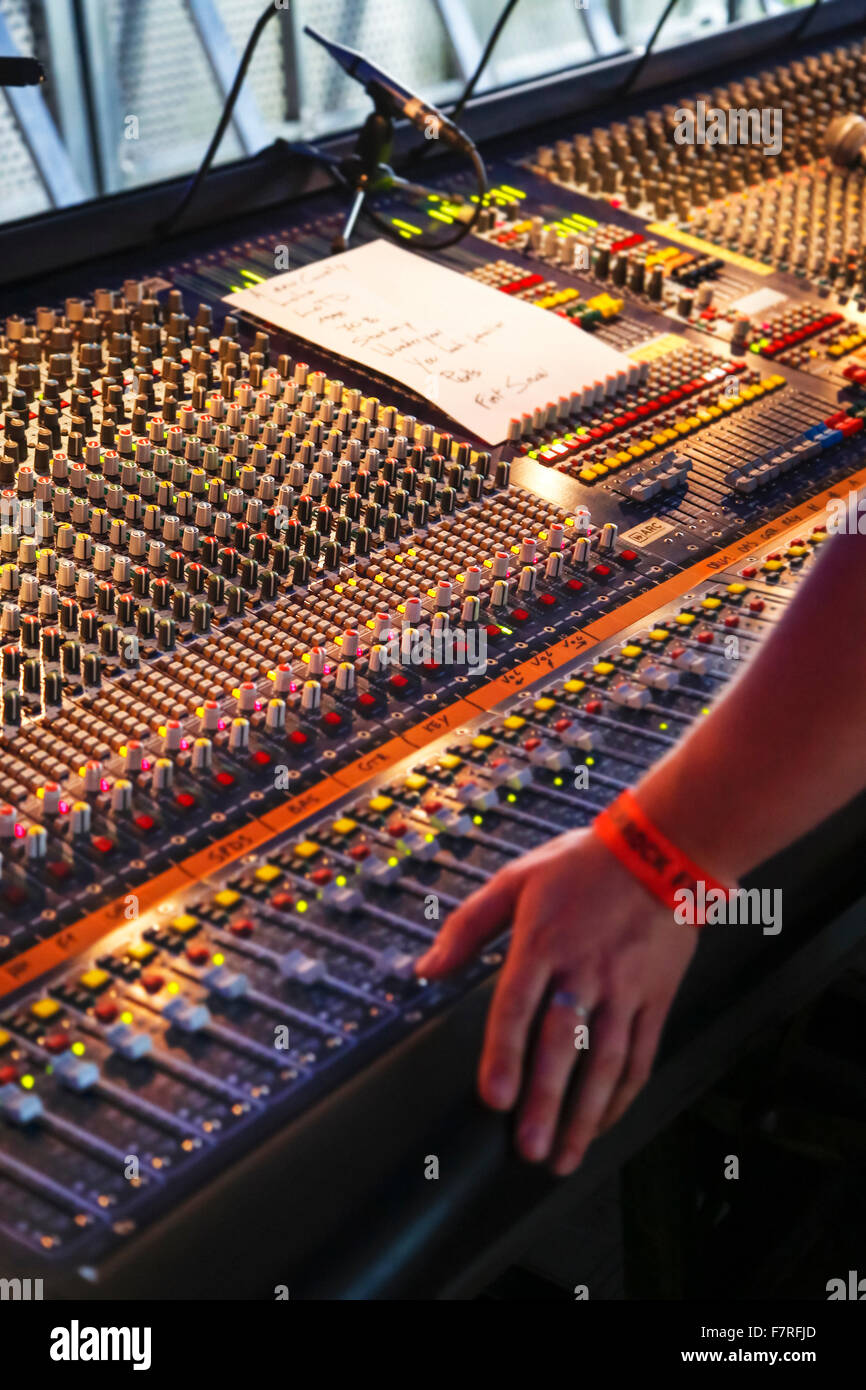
(479, 355)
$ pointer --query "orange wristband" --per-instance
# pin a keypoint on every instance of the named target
(648, 854)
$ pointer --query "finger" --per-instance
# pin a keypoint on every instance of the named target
(484, 915)
(602, 1066)
(646, 1032)
(518, 993)
(553, 1061)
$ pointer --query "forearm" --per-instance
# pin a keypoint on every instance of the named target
(786, 744)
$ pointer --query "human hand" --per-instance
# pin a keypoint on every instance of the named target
(588, 946)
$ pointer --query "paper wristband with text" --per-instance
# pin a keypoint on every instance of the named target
(647, 853)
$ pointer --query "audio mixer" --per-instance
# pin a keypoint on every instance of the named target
(230, 822)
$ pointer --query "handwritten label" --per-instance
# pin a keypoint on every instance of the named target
(482, 357)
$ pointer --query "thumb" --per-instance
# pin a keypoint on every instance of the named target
(485, 914)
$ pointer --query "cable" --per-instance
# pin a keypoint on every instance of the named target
(436, 244)
(469, 89)
(642, 60)
(162, 228)
(806, 20)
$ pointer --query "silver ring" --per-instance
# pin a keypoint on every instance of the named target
(566, 1000)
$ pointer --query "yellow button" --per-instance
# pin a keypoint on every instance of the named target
(736, 588)
(711, 603)
(574, 687)
(267, 873)
(94, 979)
(603, 668)
(817, 537)
(586, 475)
(184, 924)
(631, 652)
(344, 826)
(773, 566)
(545, 705)
(308, 849)
(227, 897)
(482, 742)
(45, 1008)
(450, 761)
(513, 721)
(685, 619)
(659, 634)
(141, 951)
(795, 551)
(5, 1038)
(415, 782)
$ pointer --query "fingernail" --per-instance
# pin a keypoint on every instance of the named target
(429, 961)
(567, 1162)
(496, 1090)
(532, 1141)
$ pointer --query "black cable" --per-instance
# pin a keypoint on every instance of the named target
(805, 21)
(162, 228)
(437, 244)
(469, 89)
(642, 60)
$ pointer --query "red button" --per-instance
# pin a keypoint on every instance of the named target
(198, 954)
(242, 927)
(185, 800)
(706, 638)
(561, 725)
(531, 744)
(102, 843)
(59, 869)
(732, 620)
(107, 1011)
(332, 719)
(144, 822)
(282, 901)
(548, 600)
(749, 572)
(225, 779)
(57, 1042)
(152, 981)
(359, 851)
(298, 738)
(261, 758)
(575, 585)
(520, 615)
(365, 699)
(8, 1074)
(398, 681)
(628, 557)
(757, 605)
(493, 631)
(593, 707)
(321, 876)
(602, 571)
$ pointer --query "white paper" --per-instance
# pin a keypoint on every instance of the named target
(477, 354)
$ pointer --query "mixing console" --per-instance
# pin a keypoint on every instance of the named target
(230, 819)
